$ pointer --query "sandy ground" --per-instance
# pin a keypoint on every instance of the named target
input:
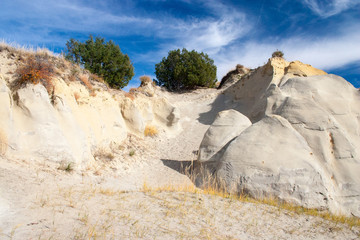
(112, 200)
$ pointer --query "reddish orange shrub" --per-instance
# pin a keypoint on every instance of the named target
(35, 70)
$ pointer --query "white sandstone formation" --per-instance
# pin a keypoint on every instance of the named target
(226, 126)
(303, 145)
(72, 123)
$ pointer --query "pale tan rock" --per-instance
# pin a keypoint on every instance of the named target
(304, 144)
(165, 112)
(227, 125)
(132, 116)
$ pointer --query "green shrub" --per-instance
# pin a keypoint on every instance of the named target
(183, 70)
(102, 58)
(278, 53)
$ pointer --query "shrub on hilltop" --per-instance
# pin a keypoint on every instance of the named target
(102, 58)
(278, 53)
(183, 70)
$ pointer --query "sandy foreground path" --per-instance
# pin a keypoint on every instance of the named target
(117, 198)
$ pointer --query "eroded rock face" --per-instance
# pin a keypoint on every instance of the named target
(226, 126)
(303, 146)
(73, 123)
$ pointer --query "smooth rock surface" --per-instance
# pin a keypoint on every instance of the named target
(227, 125)
(303, 146)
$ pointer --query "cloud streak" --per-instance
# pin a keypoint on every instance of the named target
(330, 8)
(228, 33)
(326, 53)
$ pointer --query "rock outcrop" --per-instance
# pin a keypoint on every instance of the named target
(71, 123)
(303, 145)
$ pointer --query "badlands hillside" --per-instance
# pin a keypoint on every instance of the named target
(271, 154)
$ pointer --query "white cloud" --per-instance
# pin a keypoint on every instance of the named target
(330, 8)
(327, 52)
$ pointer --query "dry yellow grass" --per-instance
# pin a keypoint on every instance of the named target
(26, 50)
(150, 131)
(92, 93)
(85, 79)
(272, 201)
(130, 95)
(76, 96)
(144, 80)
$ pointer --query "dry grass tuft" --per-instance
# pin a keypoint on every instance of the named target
(145, 80)
(130, 95)
(3, 142)
(85, 79)
(150, 131)
(76, 96)
(133, 90)
(23, 50)
(211, 188)
(103, 154)
(97, 78)
(92, 94)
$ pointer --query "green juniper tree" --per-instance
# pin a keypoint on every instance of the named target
(102, 58)
(183, 70)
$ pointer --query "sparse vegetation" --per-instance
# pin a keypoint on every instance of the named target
(103, 154)
(145, 80)
(76, 96)
(278, 53)
(66, 166)
(85, 79)
(102, 58)
(132, 153)
(150, 131)
(36, 69)
(183, 70)
(272, 201)
(130, 95)
(239, 69)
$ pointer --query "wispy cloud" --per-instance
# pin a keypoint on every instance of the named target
(227, 32)
(329, 8)
(325, 52)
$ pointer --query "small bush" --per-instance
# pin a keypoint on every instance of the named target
(36, 70)
(150, 131)
(66, 166)
(240, 68)
(145, 80)
(132, 153)
(278, 53)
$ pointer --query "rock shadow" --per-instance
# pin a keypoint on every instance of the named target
(183, 167)
(218, 105)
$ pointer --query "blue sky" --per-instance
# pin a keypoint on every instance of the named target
(325, 34)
